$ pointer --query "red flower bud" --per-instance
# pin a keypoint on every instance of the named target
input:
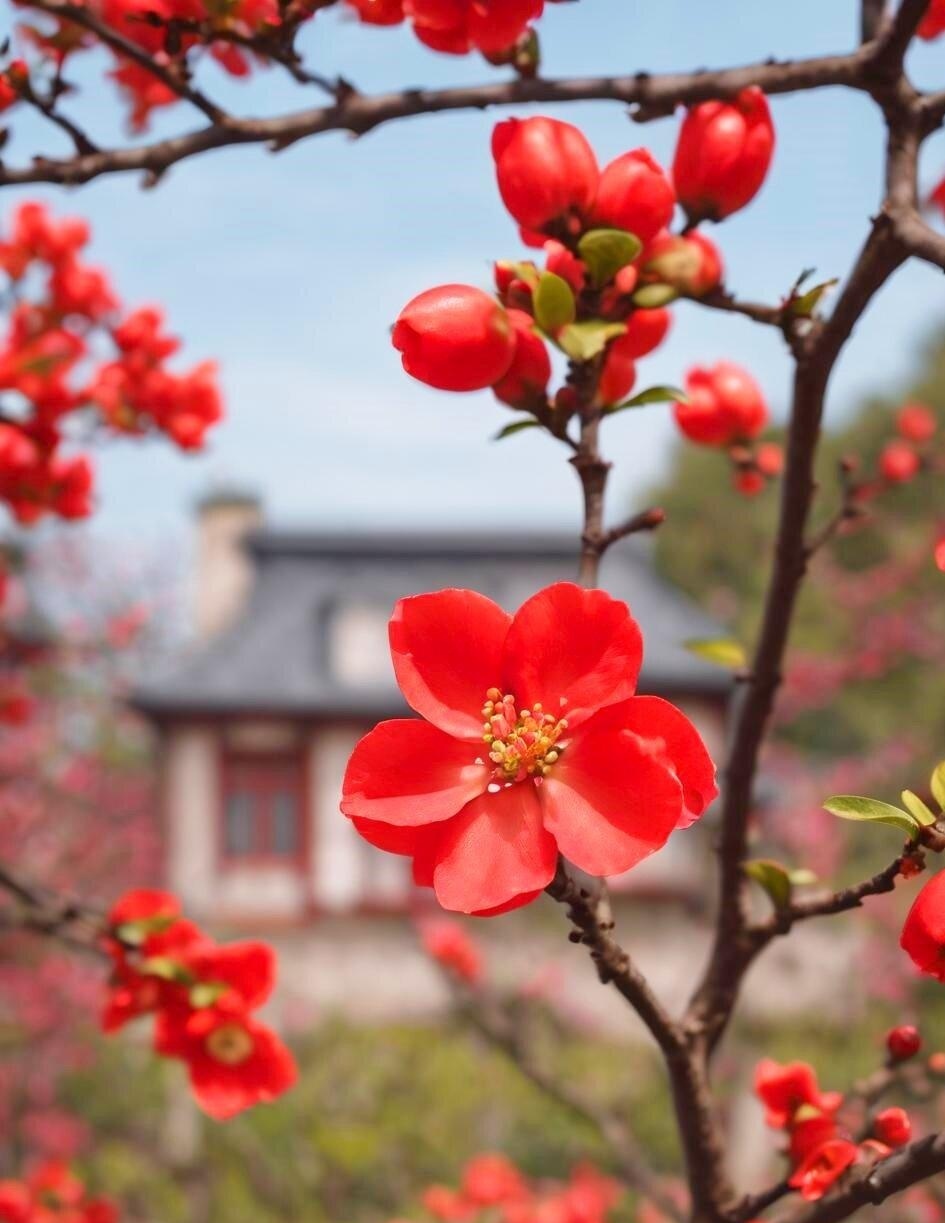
(455, 337)
(933, 23)
(634, 194)
(939, 554)
(723, 155)
(923, 934)
(617, 377)
(749, 482)
(916, 422)
(526, 380)
(379, 12)
(903, 1042)
(892, 1127)
(495, 25)
(646, 330)
(546, 171)
(690, 263)
(725, 405)
(769, 459)
(898, 463)
(560, 261)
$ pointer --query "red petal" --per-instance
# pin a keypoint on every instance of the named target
(447, 652)
(610, 801)
(574, 650)
(407, 772)
(223, 1091)
(493, 851)
(393, 839)
(682, 748)
(248, 968)
(142, 904)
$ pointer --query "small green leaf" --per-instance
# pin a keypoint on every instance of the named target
(917, 807)
(134, 933)
(938, 784)
(650, 297)
(723, 651)
(516, 426)
(553, 302)
(525, 271)
(206, 993)
(585, 341)
(606, 251)
(652, 394)
(805, 305)
(773, 878)
(802, 877)
(854, 807)
(167, 969)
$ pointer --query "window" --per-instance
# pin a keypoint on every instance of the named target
(262, 808)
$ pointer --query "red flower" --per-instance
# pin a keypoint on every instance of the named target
(546, 171)
(723, 155)
(495, 25)
(634, 194)
(525, 382)
(939, 554)
(933, 23)
(822, 1167)
(689, 262)
(489, 1180)
(903, 1042)
(455, 337)
(571, 763)
(916, 422)
(451, 946)
(563, 263)
(898, 462)
(923, 935)
(725, 405)
(892, 1127)
(379, 12)
(785, 1089)
(233, 1060)
(808, 1132)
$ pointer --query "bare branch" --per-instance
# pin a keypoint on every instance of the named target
(41, 911)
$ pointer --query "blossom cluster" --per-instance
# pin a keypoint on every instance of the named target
(820, 1148)
(203, 998)
(530, 744)
(72, 352)
(611, 267)
(248, 33)
(51, 1193)
(493, 1188)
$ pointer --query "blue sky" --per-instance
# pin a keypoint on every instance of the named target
(289, 270)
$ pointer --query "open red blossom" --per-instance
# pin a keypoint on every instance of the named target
(923, 935)
(723, 155)
(725, 405)
(809, 1130)
(634, 194)
(233, 1060)
(451, 946)
(785, 1089)
(823, 1167)
(531, 744)
(455, 337)
(547, 173)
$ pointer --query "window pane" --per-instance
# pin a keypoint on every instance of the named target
(285, 824)
(239, 824)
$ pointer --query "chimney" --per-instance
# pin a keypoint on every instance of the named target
(224, 571)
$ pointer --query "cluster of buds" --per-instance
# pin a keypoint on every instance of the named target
(493, 1188)
(903, 458)
(203, 998)
(820, 1147)
(52, 1194)
(611, 267)
(453, 949)
(70, 349)
(499, 29)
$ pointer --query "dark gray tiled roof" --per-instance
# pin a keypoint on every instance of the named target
(274, 659)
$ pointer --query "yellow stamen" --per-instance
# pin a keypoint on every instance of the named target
(522, 742)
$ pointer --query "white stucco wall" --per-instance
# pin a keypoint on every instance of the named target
(191, 802)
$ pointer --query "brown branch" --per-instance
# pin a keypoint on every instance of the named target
(840, 901)
(42, 911)
(872, 15)
(698, 1128)
(721, 299)
(359, 114)
(489, 1019)
(921, 239)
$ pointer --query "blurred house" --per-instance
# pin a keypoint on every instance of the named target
(289, 667)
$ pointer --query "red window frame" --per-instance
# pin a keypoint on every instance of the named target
(263, 779)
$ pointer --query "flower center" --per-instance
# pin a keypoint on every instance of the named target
(229, 1044)
(522, 742)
